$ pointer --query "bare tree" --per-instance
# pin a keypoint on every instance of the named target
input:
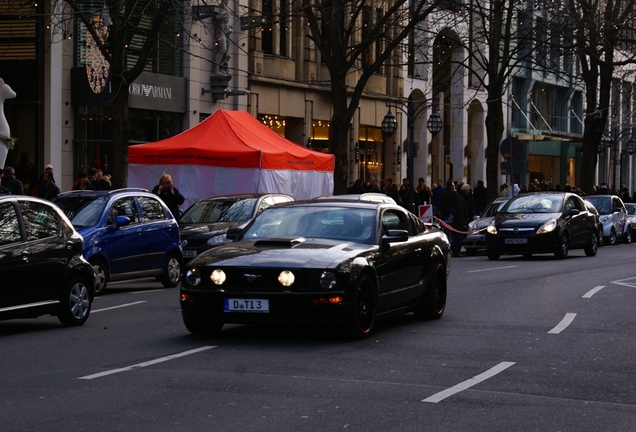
(604, 40)
(124, 18)
(344, 37)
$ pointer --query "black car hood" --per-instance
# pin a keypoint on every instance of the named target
(273, 253)
(207, 230)
(504, 220)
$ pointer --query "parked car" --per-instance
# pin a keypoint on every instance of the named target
(205, 223)
(128, 234)
(542, 222)
(631, 215)
(613, 215)
(320, 261)
(597, 217)
(477, 240)
(41, 265)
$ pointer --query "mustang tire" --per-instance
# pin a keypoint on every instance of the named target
(363, 313)
(433, 302)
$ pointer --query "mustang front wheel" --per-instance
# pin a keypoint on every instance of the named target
(362, 318)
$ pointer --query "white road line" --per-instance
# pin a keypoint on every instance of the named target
(144, 364)
(566, 321)
(593, 291)
(489, 269)
(117, 307)
(469, 383)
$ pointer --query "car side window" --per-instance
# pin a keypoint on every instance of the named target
(9, 224)
(392, 219)
(125, 207)
(40, 221)
(151, 209)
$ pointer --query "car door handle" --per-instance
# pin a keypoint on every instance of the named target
(25, 255)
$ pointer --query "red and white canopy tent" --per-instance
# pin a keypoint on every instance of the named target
(231, 152)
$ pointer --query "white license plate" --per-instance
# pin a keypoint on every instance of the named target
(189, 254)
(246, 305)
(516, 241)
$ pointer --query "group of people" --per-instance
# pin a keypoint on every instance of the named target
(47, 188)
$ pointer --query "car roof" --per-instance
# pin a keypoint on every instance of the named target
(246, 195)
(368, 196)
(337, 201)
(100, 193)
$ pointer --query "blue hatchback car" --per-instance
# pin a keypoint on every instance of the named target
(128, 234)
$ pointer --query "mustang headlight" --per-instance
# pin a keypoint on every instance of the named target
(547, 227)
(328, 280)
(217, 277)
(217, 240)
(193, 277)
(286, 278)
(492, 229)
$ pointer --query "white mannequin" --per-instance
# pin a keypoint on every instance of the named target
(6, 92)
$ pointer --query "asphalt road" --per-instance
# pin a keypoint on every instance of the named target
(525, 345)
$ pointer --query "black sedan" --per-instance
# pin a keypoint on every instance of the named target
(205, 223)
(320, 261)
(42, 270)
(542, 222)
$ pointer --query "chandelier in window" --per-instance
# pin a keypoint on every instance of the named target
(96, 65)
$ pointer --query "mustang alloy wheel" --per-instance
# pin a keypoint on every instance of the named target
(433, 301)
(363, 314)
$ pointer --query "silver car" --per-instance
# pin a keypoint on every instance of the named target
(613, 215)
(477, 240)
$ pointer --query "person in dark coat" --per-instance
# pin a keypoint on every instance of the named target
(10, 182)
(48, 190)
(480, 197)
(169, 194)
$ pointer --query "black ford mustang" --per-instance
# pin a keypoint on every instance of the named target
(320, 261)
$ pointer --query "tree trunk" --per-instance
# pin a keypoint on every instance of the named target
(494, 132)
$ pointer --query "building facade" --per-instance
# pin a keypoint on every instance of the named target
(235, 55)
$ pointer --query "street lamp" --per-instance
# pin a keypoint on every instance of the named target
(412, 110)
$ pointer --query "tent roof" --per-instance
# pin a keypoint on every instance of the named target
(232, 139)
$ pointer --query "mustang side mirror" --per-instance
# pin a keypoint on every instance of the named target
(395, 235)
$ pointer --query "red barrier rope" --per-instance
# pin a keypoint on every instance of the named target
(447, 226)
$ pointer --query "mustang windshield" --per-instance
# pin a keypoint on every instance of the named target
(534, 204)
(336, 223)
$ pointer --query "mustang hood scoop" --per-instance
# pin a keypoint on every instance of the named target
(289, 243)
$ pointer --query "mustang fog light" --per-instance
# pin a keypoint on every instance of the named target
(328, 280)
(218, 277)
(193, 277)
(286, 278)
(547, 227)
